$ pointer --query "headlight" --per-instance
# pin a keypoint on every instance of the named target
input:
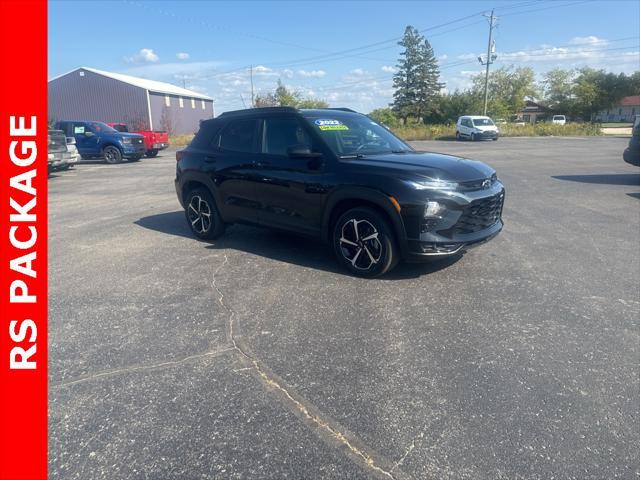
(126, 140)
(433, 184)
(433, 210)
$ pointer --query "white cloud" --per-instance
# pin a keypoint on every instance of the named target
(145, 55)
(312, 73)
(261, 70)
(443, 57)
(588, 40)
(358, 72)
(389, 69)
(182, 56)
(286, 73)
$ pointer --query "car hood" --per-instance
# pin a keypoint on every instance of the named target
(487, 128)
(426, 164)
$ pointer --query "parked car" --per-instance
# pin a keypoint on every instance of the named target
(58, 155)
(559, 120)
(99, 140)
(631, 154)
(338, 175)
(154, 140)
(476, 127)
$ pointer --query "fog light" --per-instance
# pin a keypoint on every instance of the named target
(433, 210)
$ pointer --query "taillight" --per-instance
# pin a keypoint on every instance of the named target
(180, 155)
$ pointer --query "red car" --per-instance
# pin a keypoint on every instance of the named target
(154, 140)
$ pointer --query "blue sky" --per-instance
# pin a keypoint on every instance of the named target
(318, 47)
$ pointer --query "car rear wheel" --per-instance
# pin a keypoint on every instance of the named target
(458, 137)
(473, 137)
(364, 243)
(151, 153)
(112, 154)
(202, 214)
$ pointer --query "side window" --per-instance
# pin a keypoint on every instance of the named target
(278, 134)
(239, 136)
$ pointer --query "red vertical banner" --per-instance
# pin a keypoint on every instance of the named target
(23, 238)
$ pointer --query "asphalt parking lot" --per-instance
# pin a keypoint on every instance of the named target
(257, 357)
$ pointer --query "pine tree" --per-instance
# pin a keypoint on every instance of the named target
(428, 80)
(417, 81)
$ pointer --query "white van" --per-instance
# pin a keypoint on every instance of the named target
(476, 127)
(559, 119)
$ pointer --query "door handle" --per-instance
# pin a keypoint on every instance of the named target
(210, 159)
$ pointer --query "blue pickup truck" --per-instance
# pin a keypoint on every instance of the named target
(99, 140)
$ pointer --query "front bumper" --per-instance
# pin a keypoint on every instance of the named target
(487, 134)
(470, 219)
(131, 150)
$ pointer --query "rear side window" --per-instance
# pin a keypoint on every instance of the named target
(239, 136)
(207, 135)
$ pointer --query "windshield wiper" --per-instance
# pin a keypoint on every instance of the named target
(354, 155)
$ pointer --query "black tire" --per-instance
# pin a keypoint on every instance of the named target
(458, 137)
(112, 154)
(200, 206)
(353, 235)
(473, 137)
(495, 139)
(151, 153)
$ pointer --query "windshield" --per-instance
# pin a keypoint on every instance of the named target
(558, 117)
(100, 127)
(355, 134)
(482, 122)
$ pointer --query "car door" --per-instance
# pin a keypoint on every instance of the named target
(231, 164)
(87, 142)
(291, 189)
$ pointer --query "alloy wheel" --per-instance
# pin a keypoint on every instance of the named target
(359, 244)
(199, 213)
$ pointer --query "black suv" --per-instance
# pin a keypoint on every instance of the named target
(336, 174)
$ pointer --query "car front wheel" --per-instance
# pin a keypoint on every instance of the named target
(202, 215)
(364, 243)
(151, 153)
(112, 155)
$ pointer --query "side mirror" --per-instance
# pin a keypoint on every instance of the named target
(89, 134)
(301, 151)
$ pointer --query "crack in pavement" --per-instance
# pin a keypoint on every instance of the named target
(294, 403)
(408, 451)
(137, 368)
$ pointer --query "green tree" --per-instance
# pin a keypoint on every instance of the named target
(283, 97)
(508, 89)
(417, 81)
(558, 89)
(385, 116)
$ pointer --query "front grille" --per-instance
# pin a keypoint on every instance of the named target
(479, 215)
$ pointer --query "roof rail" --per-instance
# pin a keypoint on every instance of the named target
(248, 111)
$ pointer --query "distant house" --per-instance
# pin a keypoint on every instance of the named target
(90, 94)
(532, 112)
(624, 111)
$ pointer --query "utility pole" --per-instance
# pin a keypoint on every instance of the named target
(253, 104)
(491, 56)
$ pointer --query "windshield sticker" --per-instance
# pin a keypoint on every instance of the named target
(78, 129)
(324, 124)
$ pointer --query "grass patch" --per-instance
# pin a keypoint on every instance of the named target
(180, 140)
(616, 125)
(448, 132)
